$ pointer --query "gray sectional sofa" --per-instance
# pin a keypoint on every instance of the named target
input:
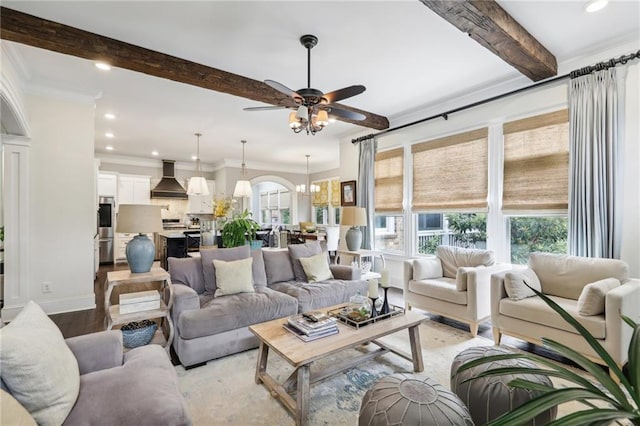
(209, 327)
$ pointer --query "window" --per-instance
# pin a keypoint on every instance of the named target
(389, 233)
(468, 230)
(275, 206)
(429, 221)
(326, 201)
(536, 233)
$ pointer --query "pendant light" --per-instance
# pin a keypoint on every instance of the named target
(198, 184)
(308, 189)
(243, 186)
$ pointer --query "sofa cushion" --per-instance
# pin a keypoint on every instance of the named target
(259, 274)
(514, 284)
(143, 391)
(232, 312)
(233, 277)
(593, 296)
(454, 257)
(38, 367)
(442, 289)
(226, 254)
(278, 267)
(535, 310)
(297, 251)
(426, 268)
(316, 268)
(317, 295)
(565, 276)
(188, 271)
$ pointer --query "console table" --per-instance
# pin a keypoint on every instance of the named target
(112, 312)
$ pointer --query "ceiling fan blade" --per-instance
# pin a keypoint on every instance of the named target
(344, 93)
(282, 88)
(343, 113)
(263, 108)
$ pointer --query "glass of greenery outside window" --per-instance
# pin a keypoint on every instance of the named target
(610, 399)
(468, 230)
(389, 233)
(537, 233)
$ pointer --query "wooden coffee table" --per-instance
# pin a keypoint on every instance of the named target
(302, 354)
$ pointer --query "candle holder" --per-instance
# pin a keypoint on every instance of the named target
(385, 305)
(374, 312)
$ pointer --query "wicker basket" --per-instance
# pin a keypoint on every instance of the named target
(138, 333)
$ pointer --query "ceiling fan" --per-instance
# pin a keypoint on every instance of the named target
(313, 106)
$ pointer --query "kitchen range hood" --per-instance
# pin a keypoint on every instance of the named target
(168, 187)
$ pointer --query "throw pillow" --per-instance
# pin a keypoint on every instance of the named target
(233, 277)
(454, 257)
(226, 254)
(462, 276)
(316, 268)
(427, 268)
(514, 284)
(298, 251)
(38, 366)
(593, 296)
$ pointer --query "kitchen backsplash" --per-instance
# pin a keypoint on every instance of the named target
(177, 208)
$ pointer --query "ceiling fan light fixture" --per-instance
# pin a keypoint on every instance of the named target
(322, 118)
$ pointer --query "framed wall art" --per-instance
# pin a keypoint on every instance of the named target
(348, 193)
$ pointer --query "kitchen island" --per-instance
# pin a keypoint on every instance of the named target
(173, 243)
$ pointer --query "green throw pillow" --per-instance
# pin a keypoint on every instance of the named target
(316, 268)
(233, 277)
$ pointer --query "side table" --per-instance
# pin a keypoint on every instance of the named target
(359, 254)
(112, 312)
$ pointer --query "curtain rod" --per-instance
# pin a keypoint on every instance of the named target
(573, 74)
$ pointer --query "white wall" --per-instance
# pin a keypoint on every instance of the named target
(62, 212)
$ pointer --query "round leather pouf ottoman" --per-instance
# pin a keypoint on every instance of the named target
(398, 400)
(490, 397)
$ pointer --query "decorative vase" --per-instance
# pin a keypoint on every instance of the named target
(140, 253)
(354, 238)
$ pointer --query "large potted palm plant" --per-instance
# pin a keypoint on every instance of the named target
(239, 230)
(616, 396)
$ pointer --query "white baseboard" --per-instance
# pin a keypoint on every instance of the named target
(58, 306)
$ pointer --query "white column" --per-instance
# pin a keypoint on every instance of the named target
(15, 159)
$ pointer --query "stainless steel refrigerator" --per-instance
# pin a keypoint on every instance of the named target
(106, 225)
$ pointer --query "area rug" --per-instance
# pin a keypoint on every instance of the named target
(223, 392)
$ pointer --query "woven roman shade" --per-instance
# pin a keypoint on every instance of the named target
(451, 173)
(536, 163)
(389, 174)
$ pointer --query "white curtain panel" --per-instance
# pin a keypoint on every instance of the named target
(595, 133)
(366, 188)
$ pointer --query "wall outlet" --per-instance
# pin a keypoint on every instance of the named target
(47, 286)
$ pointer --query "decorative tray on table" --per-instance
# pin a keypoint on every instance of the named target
(353, 319)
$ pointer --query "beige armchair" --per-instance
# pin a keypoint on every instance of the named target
(454, 283)
(594, 291)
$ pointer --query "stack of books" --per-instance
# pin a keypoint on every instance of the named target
(311, 325)
(139, 301)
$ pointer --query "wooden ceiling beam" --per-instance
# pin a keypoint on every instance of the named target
(37, 32)
(491, 26)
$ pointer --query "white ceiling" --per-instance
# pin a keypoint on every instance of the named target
(406, 56)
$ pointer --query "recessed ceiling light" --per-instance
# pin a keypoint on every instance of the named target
(595, 5)
(194, 157)
(110, 116)
(109, 148)
(154, 153)
(109, 135)
(103, 66)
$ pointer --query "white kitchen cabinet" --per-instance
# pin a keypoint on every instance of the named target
(107, 184)
(202, 204)
(134, 189)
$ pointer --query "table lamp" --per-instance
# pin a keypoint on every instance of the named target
(140, 218)
(353, 217)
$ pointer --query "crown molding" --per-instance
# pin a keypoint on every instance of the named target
(150, 162)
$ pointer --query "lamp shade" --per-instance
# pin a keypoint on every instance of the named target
(353, 216)
(243, 189)
(198, 186)
(141, 218)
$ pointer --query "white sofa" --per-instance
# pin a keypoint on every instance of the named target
(564, 278)
(454, 283)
